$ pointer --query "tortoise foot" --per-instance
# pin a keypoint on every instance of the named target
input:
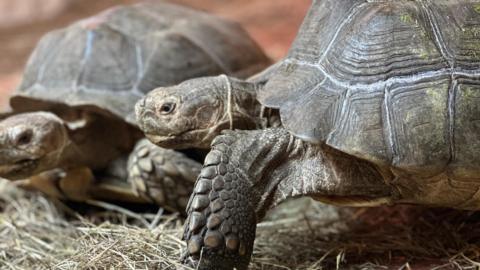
(164, 176)
(220, 228)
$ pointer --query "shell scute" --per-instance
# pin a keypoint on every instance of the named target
(420, 126)
(466, 128)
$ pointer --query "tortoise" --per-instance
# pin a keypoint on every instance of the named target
(378, 102)
(74, 109)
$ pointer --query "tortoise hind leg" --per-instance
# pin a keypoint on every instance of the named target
(163, 176)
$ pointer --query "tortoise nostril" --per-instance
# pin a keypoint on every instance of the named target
(148, 104)
(23, 138)
(141, 109)
(143, 103)
(140, 104)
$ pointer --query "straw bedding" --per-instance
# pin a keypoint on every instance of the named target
(40, 233)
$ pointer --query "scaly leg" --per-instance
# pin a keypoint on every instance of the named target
(164, 176)
(248, 172)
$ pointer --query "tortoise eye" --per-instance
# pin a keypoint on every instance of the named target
(24, 138)
(167, 108)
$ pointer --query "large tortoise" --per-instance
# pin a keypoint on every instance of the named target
(379, 102)
(74, 107)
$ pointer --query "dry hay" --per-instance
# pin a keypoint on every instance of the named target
(36, 233)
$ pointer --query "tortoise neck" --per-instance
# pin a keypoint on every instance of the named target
(241, 107)
(75, 155)
(97, 143)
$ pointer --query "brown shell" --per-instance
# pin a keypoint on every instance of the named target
(109, 61)
(393, 82)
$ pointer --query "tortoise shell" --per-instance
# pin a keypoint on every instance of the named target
(109, 61)
(393, 82)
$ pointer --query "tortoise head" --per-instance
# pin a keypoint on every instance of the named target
(30, 143)
(194, 112)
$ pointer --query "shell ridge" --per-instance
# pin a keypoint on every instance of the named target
(86, 54)
(411, 78)
(387, 125)
(146, 66)
(205, 49)
(140, 69)
(438, 36)
(90, 49)
(343, 116)
(353, 11)
(452, 93)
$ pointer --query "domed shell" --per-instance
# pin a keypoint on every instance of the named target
(109, 61)
(393, 82)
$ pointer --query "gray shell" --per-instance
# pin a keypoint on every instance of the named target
(393, 82)
(107, 62)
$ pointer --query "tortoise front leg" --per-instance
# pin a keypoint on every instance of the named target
(163, 176)
(80, 185)
(227, 201)
(248, 172)
(74, 184)
(157, 175)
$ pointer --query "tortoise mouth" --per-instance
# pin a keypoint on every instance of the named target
(19, 169)
(168, 141)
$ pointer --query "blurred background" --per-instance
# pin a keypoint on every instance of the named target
(272, 23)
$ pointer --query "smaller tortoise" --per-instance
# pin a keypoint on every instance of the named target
(379, 104)
(75, 106)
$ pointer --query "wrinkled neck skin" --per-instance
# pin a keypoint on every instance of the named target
(72, 156)
(246, 106)
(240, 98)
(241, 110)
